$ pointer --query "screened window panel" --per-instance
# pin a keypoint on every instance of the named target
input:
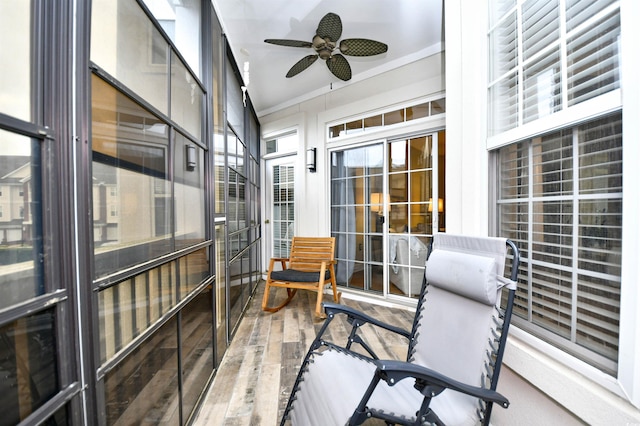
(542, 87)
(592, 60)
(540, 26)
(570, 239)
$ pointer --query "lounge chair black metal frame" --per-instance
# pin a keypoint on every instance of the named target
(337, 385)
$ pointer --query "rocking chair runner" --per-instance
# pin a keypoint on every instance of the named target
(454, 353)
(310, 266)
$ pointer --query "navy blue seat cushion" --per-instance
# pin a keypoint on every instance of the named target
(298, 276)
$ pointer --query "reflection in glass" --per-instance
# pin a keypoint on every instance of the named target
(131, 190)
(29, 376)
(221, 293)
(197, 348)
(194, 268)
(143, 388)
(20, 219)
(186, 98)
(126, 44)
(181, 21)
(188, 192)
(127, 309)
(15, 59)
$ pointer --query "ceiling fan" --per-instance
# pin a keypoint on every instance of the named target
(324, 43)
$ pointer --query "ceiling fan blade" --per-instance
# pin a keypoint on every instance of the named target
(288, 43)
(302, 65)
(339, 66)
(361, 47)
(330, 27)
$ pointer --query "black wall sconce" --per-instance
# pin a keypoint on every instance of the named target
(190, 157)
(311, 160)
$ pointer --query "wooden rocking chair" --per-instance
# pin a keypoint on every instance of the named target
(309, 267)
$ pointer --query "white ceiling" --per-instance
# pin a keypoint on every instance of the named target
(411, 28)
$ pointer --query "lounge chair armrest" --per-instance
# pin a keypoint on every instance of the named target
(433, 382)
(361, 318)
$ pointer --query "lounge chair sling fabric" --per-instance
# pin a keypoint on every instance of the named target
(454, 351)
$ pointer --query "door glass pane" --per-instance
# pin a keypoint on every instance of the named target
(20, 219)
(28, 366)
(410, 223)
(15, 59)
(358, 216)
(283, 209)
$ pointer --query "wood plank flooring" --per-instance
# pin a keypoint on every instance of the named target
(253, 383)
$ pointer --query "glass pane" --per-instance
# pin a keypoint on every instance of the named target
(131, 190)
(336, 131)
(186, 98)
(418, 111)
(221, 293)
(126, 44)
(127, 309)
(503, 45)
(420, 153)
(542, 89)
(143, 388)
(188, 192)
(20, 219)
(438, 106)
(371, 123)
(394, 117)
(181, 21)
(398, 160)
(15, 59)
(194, 268)
(540, 26)
(28, 364)
(197, 348)
(601, 156)
(503, 104)
(592, 60)
(553, 165)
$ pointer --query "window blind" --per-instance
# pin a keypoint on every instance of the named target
(560, 200)
(540, 65)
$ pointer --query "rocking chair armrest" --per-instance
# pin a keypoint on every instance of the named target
(393, 371)
(362, 318)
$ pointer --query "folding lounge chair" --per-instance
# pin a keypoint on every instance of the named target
(454, 352)
(310, 266)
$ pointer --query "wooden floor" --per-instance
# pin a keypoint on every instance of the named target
(257, 373)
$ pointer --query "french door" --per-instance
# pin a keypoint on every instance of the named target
(387, 200)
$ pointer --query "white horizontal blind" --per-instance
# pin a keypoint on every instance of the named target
(560, 200)
(546, 56)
